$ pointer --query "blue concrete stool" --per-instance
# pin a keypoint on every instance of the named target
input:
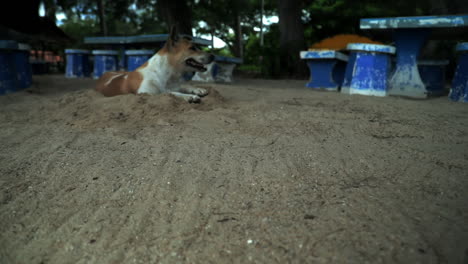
(8, 78)
(220, 70)
(326, 68)
(104, 61)
(432, 74)
(77, 63)
(136, 58)
(459, 91)
(368, 70)
(23, 66)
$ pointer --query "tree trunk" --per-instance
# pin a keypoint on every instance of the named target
(261, 22)
(176, 12)
(238, 46)
(50, 9)
(102, 17)
(291, 37)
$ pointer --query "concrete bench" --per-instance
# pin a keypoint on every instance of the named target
(326, 68)
(104, 61)
(368, 69)
(220, 70)
(136, 58)
(78, 64)
(130, 42)
(15, 69)
(459, 90)
(23, 67)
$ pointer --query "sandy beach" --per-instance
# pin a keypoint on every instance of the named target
(262, 171)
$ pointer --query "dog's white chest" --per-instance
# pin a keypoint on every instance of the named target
(156, 76)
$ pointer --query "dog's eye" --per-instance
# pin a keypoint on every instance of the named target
(194, 48)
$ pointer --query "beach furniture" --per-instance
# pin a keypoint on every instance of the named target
(327, 68)
(459, 90)
(78, 64)
(368, 69)
(409, 35)
(220, 70)
(104, 61)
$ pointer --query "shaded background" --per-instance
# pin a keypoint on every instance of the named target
(299, 24)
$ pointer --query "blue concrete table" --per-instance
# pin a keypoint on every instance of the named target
(410, 34)
(136, 58)
(123, 43)
(368, 69)
(327, 68)
(459, 91)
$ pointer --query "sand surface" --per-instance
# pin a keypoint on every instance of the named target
(261, 171)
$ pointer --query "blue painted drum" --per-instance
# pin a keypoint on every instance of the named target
(136, 58)
(459, 90)
(77, 63)
(23, 67)
(104, 61)
(368, 69)
(8, 78)
(327, 68)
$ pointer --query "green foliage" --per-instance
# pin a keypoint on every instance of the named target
(78, 29)
(222, 52)
(266, 56)
(322, 19)
(325, 18)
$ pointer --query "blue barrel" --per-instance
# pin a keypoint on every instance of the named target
(77, 63)
(104, 61)
(136, 58)
(8, 79)
(23, 67)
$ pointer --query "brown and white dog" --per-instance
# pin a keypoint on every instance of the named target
(162, 73)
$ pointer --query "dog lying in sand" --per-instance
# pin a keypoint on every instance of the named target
(162, 73)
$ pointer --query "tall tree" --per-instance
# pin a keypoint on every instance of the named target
(221, 21)
(291, 36)
(178, 13)
(102, 17)
(50, 8)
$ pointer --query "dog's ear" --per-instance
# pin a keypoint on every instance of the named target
(173, 36)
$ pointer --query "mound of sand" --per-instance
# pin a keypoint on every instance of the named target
(89, 109)
(262, 171)
(340, 42)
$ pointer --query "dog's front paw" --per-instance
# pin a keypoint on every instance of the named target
(193, 99)
(200, 91)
